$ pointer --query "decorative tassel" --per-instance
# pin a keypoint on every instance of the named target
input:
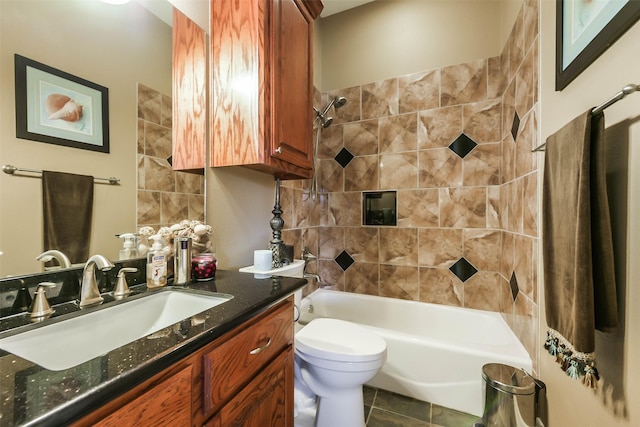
(551, 344)
(574, 363)
(572, 371)
(591, 376)
(560, 354)
(566, 359)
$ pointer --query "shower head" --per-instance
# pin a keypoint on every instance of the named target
(336, 103)
(339, 101)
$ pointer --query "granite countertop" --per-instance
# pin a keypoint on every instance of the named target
(31, 395)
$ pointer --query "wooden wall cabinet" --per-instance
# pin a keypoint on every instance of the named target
(189, 97)
(244, 378)
(261, 63)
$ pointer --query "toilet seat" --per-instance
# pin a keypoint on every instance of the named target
(339, 340)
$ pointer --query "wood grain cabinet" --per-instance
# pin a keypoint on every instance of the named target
(244, 378)
(189, 97)
(261, 403)
(261, 85)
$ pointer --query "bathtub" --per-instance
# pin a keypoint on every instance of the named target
(435, 353)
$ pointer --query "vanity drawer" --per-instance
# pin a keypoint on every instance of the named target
(231, 365)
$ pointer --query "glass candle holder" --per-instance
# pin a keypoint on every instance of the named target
(203, 266)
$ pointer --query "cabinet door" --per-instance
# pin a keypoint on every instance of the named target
(166, 403)
(292, 84)
(267, 401)
(189, 128)
(262, 85)
(232, 364)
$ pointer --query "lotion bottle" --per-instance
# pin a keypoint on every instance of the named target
(156, 264)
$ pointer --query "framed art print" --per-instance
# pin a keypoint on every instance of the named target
(585, 29)
(56, 107)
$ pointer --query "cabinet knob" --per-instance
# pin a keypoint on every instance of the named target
(279, 149)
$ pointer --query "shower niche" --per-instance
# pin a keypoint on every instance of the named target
(379, 208)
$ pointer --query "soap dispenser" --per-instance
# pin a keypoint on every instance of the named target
(130, 247)
(156, 264)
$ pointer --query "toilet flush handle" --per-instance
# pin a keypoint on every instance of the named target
(261, 349)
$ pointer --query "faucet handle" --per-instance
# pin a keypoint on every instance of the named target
(307, 256)
(122, 289)
(40, 307)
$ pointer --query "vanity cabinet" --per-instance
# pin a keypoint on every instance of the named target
(166, 403)
(261, 63)
(228, 366)
(243, 378)
(261, 402)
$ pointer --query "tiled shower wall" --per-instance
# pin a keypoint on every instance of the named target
(455, 143)
(165, 197)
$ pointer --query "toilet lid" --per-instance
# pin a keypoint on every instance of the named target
(339, 340)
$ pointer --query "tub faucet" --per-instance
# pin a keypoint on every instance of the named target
(89, 293)
(47, 256)
(308, 258)
(311, 276)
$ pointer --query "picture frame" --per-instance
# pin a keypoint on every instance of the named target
(585, 30)
(59, 108)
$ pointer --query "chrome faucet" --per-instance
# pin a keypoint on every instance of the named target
(311, 276)
(308, 257)
(47, 256)
(89, 293)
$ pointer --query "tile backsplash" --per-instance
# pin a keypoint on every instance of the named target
(165, 197)
(455, 143)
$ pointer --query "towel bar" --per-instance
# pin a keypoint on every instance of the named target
(630, 88)
(11, 170)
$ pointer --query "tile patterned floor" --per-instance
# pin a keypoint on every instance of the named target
(386, 409)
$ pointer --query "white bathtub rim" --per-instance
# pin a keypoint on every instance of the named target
(511, 352)
(512, 345)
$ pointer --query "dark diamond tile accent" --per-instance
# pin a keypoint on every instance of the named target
(343, 157)
(515, 126)
(463, 269)
(513, 282)
(462, 145)
(344, 260)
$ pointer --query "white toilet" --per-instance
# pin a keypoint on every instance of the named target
(334, 358)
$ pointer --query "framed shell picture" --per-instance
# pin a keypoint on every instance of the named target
(585, 29)
(59, 108)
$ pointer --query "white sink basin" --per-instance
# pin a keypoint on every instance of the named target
(70, 342)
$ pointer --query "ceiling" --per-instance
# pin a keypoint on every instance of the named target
(332, 7)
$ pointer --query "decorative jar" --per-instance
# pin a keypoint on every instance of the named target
(203, 266)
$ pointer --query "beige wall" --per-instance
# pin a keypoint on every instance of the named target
(616, 402)
(384, 39)
(114, 46)
(238, 205)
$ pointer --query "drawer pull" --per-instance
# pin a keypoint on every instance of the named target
(261, 349)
